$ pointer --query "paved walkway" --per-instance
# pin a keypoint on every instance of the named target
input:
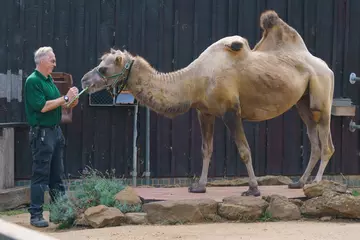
(216, 193)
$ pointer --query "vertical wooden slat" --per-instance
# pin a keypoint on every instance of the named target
(103, 134)
(89, 57)
(275, 140)
(163, 145)
(292, 121)
(181, 124)
(4, 18)
(203, 38)
(309, 37)
(76, 38)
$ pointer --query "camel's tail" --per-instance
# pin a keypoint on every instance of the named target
(269, 19)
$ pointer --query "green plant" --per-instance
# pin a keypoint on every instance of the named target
(266, 217)
(355, 193)
(125, 208)
(95, 189)
(63, 210)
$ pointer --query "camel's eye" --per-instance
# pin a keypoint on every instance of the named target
(102, 70)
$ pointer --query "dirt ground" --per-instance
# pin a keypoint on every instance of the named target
(295, 230)
(253, 231)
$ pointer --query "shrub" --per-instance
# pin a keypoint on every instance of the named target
(95, 189)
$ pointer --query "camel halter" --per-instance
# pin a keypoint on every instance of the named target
(123, 81)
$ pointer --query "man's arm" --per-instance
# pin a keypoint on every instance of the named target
(37, 100)
(52, 104)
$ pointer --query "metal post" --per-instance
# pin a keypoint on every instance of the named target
(353, 79)
(134, 172)
(114, 96)
(147, 148)
(353, 126)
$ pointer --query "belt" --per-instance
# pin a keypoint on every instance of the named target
(50, 127)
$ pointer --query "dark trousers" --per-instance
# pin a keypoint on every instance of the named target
(47, 146)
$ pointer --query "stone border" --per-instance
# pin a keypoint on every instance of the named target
(325, 200)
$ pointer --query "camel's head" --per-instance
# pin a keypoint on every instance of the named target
(113, 70)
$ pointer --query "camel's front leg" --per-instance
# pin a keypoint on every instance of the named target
(207, 131)
(236, 128)
(245, 155)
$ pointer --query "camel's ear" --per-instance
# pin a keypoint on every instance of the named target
(235, 46)
(118, 60)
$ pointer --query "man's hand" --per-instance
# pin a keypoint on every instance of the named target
(72, 93)
(52, 104)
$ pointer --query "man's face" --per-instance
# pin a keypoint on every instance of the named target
(49, 62)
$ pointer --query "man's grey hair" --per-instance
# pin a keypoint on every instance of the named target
(41, 52)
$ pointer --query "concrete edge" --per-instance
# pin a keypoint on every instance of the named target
(13, 231)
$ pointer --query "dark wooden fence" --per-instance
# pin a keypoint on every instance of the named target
(170, 34)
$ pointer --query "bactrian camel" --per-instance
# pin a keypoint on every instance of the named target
(233, 82)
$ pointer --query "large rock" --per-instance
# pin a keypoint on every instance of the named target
(13, 198)
(229, 182)
(242, 208)
(272, 180)
(318, 189)
(81, 221)
(136, 218)
(128, 196)
(315, 207)
(102, 216)
(283, 209)
(297, 202)
(180, 211)
(332, 204)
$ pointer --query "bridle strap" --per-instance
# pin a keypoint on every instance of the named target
(118, 79)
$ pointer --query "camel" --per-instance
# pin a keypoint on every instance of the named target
(235, 83)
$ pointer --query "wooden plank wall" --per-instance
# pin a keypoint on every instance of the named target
(170, 34)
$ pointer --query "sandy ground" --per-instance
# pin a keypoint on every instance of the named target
(295, 230)
(253, 231)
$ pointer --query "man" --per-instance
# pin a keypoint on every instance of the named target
(43, 104)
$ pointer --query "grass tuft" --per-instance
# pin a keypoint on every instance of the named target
(95, 189)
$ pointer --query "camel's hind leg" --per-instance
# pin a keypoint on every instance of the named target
(306, 115)
(234, 123)
(207, 122)
(327, 146)
(318, 127)
(321, 90)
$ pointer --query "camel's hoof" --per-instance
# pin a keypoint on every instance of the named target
(197, 188)
(296, 185)
(253, 191)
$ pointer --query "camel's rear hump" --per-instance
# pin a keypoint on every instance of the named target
(269, 19)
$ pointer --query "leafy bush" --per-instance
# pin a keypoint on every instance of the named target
(95, 189)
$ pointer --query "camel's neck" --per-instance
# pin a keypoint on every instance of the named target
(169, 94)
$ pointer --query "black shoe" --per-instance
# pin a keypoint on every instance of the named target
(38, 221)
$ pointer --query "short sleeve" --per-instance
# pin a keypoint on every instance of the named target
(35, 95)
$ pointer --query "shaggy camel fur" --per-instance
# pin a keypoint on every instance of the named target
(230, 81)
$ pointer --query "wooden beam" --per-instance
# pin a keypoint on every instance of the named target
(343, 107)
(7, 158)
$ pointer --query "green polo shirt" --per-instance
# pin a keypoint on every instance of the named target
(38, 90)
